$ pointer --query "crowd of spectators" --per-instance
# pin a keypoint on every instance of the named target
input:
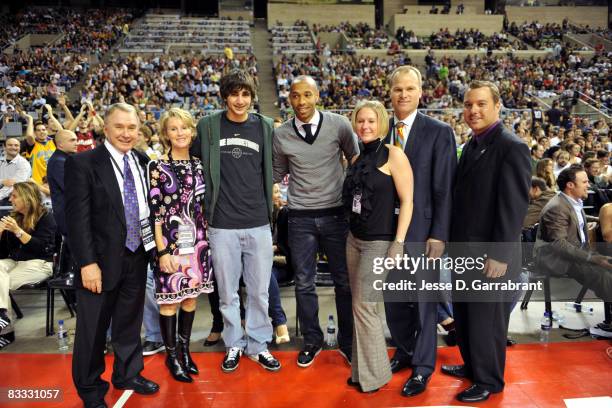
(156, 83)
(361, 35)
(294, 39)
(461, 39)
(31, 80)
(91, 30)
(346, 79)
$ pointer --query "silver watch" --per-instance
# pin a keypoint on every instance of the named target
(19, 233)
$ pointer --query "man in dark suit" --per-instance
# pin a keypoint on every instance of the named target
(66, 143)
(490, 198)
(562, 246)
(432, 152)
(108, 233)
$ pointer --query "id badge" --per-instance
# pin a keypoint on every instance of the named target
(357, 203)
(186, 239)
(146, 233)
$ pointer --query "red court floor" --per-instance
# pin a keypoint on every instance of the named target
(536, 376)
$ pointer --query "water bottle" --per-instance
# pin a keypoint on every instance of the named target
(558, 317)
(331, 332)
(579, 308)
(62, 336)
(545, 327)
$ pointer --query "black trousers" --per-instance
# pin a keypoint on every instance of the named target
(412, 317)
(124, 305)
(482, 329)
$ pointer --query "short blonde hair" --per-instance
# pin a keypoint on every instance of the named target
(181, 114)
(381, 114)
(404, 70)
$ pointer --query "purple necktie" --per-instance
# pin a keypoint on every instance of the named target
(130, 205)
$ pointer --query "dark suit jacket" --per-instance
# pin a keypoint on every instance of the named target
(55, 177)
(94, 206)
(491, 194)
(432, 152)
(558, 242)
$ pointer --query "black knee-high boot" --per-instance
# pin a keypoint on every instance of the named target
(167, 325)
(185, 323)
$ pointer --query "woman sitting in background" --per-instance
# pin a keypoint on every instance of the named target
(27, 242)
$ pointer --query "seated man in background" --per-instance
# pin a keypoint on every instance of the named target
(562, 246)
(539, 195)
(13, 169)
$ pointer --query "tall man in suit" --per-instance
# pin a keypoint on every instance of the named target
(431, 149)
(562, 241)
(109, 231)
(490, 198)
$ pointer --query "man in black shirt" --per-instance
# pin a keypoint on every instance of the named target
(236, 150)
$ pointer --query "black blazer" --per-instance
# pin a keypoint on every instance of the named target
(432, 152)
(94, 208)
(491, 195)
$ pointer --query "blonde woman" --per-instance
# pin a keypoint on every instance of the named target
(27, 242)
(183, 268)
(378, 183)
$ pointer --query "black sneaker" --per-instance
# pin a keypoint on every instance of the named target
(346, 355)
(231, 360)
(266, 360)
(4, 319)
(6, 339)
(307, 356)
(152, 347)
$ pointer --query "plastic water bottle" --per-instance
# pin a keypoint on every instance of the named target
(558, 317)
(62, 336)
(545, 327)
(331, 332)
(579, 308)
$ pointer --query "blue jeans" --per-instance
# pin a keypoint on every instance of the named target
(275, 309)
(150, 319)
(306, 234)
(246, 253)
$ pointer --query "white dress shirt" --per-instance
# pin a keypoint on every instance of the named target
(408, 122)
(18, 169)
(138, 172)
(577, 206)
(314, 122)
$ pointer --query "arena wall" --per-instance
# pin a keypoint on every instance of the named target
(324, 14)
(425, 24)
(593, 16)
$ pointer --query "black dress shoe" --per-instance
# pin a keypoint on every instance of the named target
(356, 384)
(510, 342)
(454, 370)
(398, 365)
(210, 343)
(475, 393)
(140, 385)
(415, 385)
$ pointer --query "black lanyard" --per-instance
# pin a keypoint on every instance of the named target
(142, 182)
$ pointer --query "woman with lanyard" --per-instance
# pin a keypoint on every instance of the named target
(183, 264)
(377, 193)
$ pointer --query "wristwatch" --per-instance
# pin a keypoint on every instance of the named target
(19, 233)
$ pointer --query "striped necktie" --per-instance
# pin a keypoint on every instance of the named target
(400, 137)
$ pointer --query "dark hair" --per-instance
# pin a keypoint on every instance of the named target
(534, 148)
(237, 80)
(602, 153)
(588, 155)
(589, 162)
(568, 175)
(38, 123)
(539, 183)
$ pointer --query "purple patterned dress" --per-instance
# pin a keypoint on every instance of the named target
(174, 202)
